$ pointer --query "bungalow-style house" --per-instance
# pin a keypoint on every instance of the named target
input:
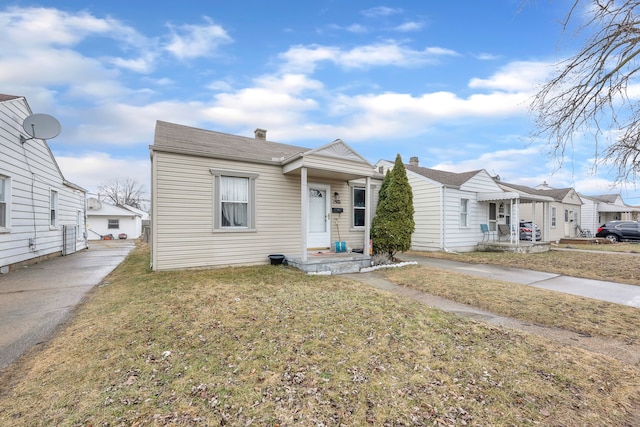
(104, 219)
(451, 208)
(558, 216)
(597, 210)
(41, 213)
(223, 200)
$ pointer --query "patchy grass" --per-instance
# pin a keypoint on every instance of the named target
(631, 248)
(592, 264)
(271, 346)
(540, 306)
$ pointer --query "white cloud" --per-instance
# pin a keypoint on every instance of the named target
(303, 58)
(194, 41)
(92, 169)
(381, 11)
(409, 26)
(515, 76)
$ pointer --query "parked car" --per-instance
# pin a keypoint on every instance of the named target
(617, 231)
(526, 231)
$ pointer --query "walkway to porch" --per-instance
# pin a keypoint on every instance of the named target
(326, 262)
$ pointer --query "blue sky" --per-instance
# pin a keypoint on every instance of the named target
(448, 82)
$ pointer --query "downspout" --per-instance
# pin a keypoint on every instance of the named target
(304, 198)
(443, 211)
(367, 217)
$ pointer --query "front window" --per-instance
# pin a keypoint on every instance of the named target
(464, 212)
(234, 194)
(234, 200)
(113, 224)
(53, 208)
(359, 206)
(554, 215)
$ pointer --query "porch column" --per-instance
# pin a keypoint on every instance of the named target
(367, 217)
(304, 209)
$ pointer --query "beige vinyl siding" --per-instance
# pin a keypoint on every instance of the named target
(29, 204)
(184, 236)
(330, 163)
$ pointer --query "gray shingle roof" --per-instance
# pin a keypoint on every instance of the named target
(556, 193)
(186, 139)
(443, 177)
(4, 97)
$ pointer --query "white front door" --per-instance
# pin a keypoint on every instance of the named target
(319, 220)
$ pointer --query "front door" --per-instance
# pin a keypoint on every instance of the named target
(319, 220)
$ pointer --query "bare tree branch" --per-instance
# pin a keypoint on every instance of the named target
(122, 192)
(590, 94)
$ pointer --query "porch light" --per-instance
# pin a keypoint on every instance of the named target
(336, 198)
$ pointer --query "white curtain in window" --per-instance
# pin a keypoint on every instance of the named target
(234, 195)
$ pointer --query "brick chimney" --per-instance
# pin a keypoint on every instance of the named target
(413, 161)
(261, 134)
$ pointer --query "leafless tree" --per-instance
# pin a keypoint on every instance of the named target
(595, 92)
(122, 192)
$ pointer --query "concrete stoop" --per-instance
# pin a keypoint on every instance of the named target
(330, 263)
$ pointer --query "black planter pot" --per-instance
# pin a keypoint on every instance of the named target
(276, 259)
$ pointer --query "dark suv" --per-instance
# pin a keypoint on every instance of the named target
(617, 231)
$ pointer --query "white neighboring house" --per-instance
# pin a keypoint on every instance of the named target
(42, 215)
(450, 208)
(597, 210)
(104, 219)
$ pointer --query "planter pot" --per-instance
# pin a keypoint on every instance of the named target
(276, 259)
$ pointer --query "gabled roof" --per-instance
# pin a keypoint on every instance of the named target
(557, 194)
(443, 177)
(604, 198)
(189, 140)
(98, 208)
(4, 97)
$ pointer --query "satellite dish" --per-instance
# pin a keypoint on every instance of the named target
(41, 126)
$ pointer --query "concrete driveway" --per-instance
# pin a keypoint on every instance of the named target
(35, 300)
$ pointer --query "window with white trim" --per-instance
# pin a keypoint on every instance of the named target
(234, 200)
(113, 224)
(464, 212)
(53, 208)
(554, 216)
(359, 204)
(5, 202)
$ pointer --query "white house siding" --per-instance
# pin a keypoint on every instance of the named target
(184, 235)
(33, 173)
(427, 214)
(131, 225)
(589, 216)
(465, 238)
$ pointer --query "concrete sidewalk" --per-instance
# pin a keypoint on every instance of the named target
(35, 300)
(597, 289)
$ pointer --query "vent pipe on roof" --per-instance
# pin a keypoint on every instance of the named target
(261, 134)
(413, 161)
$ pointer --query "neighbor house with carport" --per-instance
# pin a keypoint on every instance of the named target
(452, 208)
(555, 210)
(224, 200)
(42, 215)
(599, 209)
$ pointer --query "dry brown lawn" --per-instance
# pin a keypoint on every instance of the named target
(270, 346)
(588, 261)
